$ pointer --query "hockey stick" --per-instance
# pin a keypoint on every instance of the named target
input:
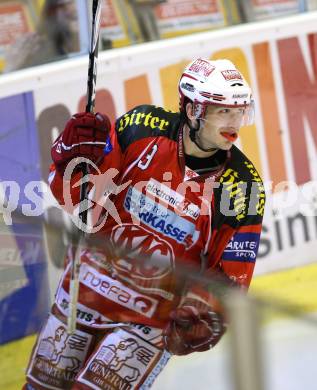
(83, 205)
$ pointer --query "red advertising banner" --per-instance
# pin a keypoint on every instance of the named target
(176, 17)
(108, 15)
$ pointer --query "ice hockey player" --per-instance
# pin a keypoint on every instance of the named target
(180, 196)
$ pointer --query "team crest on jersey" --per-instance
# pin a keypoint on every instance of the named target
(138, 242)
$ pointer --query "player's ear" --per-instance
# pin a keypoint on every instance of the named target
(190, 112)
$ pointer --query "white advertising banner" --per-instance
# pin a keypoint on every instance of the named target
(176, 17)
(266, 9)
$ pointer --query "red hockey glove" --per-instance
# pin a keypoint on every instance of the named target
(85, 135)
(194, 327)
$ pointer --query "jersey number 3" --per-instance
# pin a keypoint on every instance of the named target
(145, 161)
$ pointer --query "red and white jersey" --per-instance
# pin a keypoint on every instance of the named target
(162, 218)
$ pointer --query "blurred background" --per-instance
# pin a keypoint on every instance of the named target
(34, 32)
(144, 46)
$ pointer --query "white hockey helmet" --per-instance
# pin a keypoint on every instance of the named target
(218, 83)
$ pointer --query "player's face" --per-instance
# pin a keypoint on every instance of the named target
(220, 127)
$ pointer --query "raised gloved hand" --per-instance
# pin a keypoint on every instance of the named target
(85, 135)
(194, 327)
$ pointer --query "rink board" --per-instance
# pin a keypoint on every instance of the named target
(23, 259)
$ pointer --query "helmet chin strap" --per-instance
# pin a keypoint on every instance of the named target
(192, 135)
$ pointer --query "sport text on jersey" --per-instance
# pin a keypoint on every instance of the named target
(242, 247)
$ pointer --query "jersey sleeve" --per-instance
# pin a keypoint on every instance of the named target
(233, 247)
(236, 222)
(238, 213)
(236, 251)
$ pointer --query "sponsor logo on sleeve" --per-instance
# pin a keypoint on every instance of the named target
(160, 218)
(242, 247)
